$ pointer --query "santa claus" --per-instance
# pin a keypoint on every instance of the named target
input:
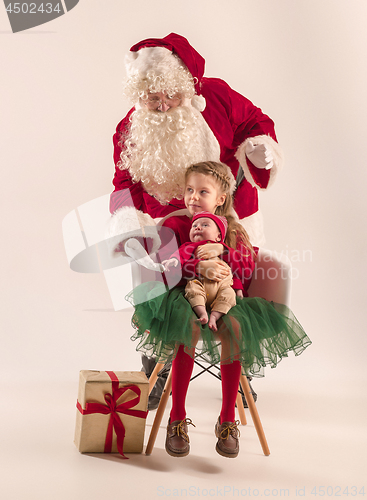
(181, 117)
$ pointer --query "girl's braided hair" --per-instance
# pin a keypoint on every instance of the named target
(223, 176)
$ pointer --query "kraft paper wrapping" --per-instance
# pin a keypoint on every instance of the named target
(90, 430)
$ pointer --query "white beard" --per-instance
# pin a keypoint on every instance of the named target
(159, 148)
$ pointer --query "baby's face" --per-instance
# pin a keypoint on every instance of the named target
(204, 229)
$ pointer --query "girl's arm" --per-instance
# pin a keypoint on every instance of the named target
(241, 262)
(245, 265)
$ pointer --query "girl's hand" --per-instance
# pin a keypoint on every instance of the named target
(209, 251)
(239, 293)
(215, 270)
(170, 263)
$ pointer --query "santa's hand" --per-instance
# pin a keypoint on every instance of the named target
(136, 251)
(209, 251)
(170, 263)
(259, 155)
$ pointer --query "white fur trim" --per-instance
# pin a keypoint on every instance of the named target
(254, 227)
(127, 222)
(276, 151)
(148, 58)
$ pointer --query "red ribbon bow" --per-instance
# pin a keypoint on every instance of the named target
(112, 408)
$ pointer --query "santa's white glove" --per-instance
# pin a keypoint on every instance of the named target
(136, 251)
(259, 155)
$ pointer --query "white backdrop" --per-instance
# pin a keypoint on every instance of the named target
(303, 63)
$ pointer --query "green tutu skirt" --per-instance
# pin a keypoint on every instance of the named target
(255, 332)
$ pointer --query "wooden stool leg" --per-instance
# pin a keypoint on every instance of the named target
(154, 375)
(254, 414)
(241, 409)
(159, 414)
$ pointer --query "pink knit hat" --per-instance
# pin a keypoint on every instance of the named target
(220, 221)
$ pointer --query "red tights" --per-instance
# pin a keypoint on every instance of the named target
(182, 367)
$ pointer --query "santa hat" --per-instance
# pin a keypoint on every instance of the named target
(220, 221)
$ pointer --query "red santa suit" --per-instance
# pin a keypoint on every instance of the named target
(231, 119)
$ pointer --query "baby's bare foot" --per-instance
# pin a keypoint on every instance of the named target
(213, 324)
(201, 313)
(203, 320)
(214, 316)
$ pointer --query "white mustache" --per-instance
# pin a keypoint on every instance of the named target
(159, 148)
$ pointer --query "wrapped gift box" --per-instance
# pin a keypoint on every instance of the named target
(112, 408)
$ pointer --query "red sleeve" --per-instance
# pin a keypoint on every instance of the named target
(188, 260)
(250, 261)
(235, 119)
(232, 258)
(126, 193)
(180, 225)
(249, 121)
(242, 263)
(183, 253)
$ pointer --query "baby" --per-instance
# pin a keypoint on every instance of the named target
(200, 291)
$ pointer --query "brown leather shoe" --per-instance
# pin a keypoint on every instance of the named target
(177, 441)
(227, 433)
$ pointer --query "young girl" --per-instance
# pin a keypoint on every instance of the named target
(254, 333)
